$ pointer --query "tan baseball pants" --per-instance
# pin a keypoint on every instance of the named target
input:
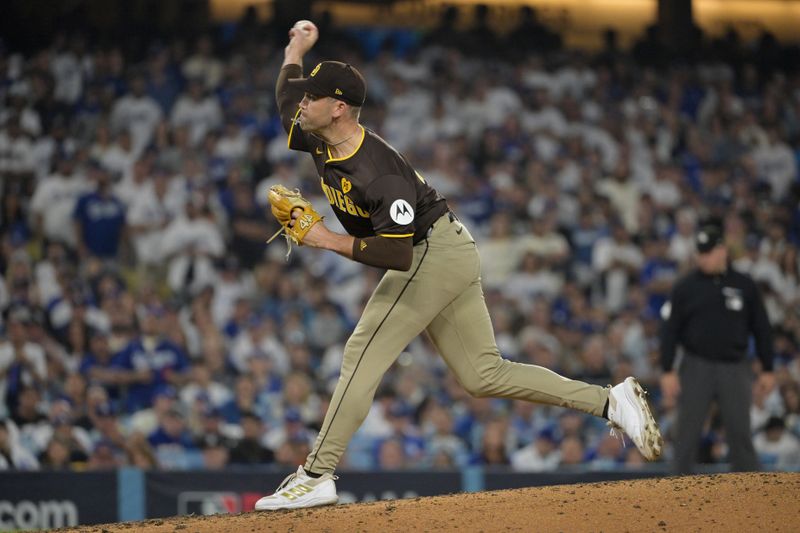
(440, 295)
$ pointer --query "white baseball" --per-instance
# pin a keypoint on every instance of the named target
(304, 25)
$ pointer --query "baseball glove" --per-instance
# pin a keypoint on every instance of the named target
(283, 202)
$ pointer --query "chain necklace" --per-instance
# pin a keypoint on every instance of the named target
(331, 145)
(342, 141)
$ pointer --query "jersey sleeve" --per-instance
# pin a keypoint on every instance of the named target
(672, 322)
(288, 99)
(391, 201)
(298, 139)
(760, 327)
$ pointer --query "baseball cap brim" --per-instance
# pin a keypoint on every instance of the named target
(308, 85)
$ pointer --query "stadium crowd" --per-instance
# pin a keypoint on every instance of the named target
(145, 322)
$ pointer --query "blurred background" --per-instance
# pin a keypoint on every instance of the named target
(158, 356)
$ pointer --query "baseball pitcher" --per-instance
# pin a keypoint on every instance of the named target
(396, 221)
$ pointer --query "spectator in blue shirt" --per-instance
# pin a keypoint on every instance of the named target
(172, 442)
(658, 274)
(405, 432)
(583, 236)
(98, 364)
(163, 79)
(244, 401)
(151, 361)
(99, 218)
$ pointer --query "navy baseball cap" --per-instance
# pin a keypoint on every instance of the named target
(335, 79)
(707, 238)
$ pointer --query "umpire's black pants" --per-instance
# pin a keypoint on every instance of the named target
(703, 381)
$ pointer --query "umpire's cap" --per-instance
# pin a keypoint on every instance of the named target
(335, 79)
(707, 238)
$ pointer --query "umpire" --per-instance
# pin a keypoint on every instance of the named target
(711, 313)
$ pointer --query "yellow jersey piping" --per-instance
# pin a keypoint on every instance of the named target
(291, 129)
(334, 159)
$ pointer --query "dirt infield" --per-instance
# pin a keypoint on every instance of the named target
(726, 502)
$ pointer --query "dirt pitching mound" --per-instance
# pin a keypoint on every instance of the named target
(725, 502)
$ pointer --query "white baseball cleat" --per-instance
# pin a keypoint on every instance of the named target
(300, 490)
(628, 410)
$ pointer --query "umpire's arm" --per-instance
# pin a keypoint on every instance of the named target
(672, 316)
(761, 329)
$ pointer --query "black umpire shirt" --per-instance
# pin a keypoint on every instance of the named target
(712, 316)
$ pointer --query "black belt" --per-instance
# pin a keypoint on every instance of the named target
(450, 215)
(727, 361)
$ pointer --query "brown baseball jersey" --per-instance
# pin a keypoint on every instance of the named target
(373, 191)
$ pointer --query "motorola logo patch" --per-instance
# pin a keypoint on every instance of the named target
(401, 212)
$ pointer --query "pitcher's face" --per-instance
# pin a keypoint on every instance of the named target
(316, 112)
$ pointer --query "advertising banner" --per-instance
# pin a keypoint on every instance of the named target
(204, 493)
(48, 500)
